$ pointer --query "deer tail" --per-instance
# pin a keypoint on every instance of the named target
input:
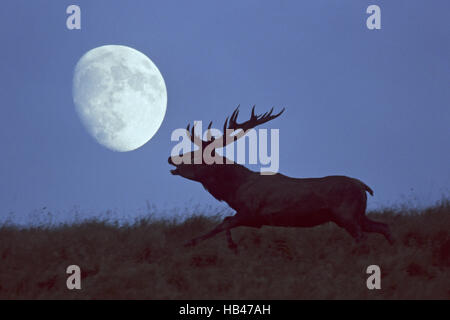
(367, 188)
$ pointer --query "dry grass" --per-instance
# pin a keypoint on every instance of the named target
(147, 261)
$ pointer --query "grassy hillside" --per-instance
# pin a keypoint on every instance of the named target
(148, 261)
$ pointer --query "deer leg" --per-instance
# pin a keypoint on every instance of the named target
(355, 231)
(347, 217)
(227, 224)
(377, 227)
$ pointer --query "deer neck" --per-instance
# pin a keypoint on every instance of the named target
(225, 182)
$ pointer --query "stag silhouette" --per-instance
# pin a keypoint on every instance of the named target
(274, 200)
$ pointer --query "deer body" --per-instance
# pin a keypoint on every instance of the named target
(279, 200)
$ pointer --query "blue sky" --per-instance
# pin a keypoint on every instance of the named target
(368, 104)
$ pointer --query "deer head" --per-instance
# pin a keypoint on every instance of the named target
(192, 165)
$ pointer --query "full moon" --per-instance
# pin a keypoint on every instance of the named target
(120, 96)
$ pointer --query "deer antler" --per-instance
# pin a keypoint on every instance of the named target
(230, 126)
(255, 120)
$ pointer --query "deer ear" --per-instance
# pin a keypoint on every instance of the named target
(213, 153)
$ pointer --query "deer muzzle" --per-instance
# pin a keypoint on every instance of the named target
(174, 171)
